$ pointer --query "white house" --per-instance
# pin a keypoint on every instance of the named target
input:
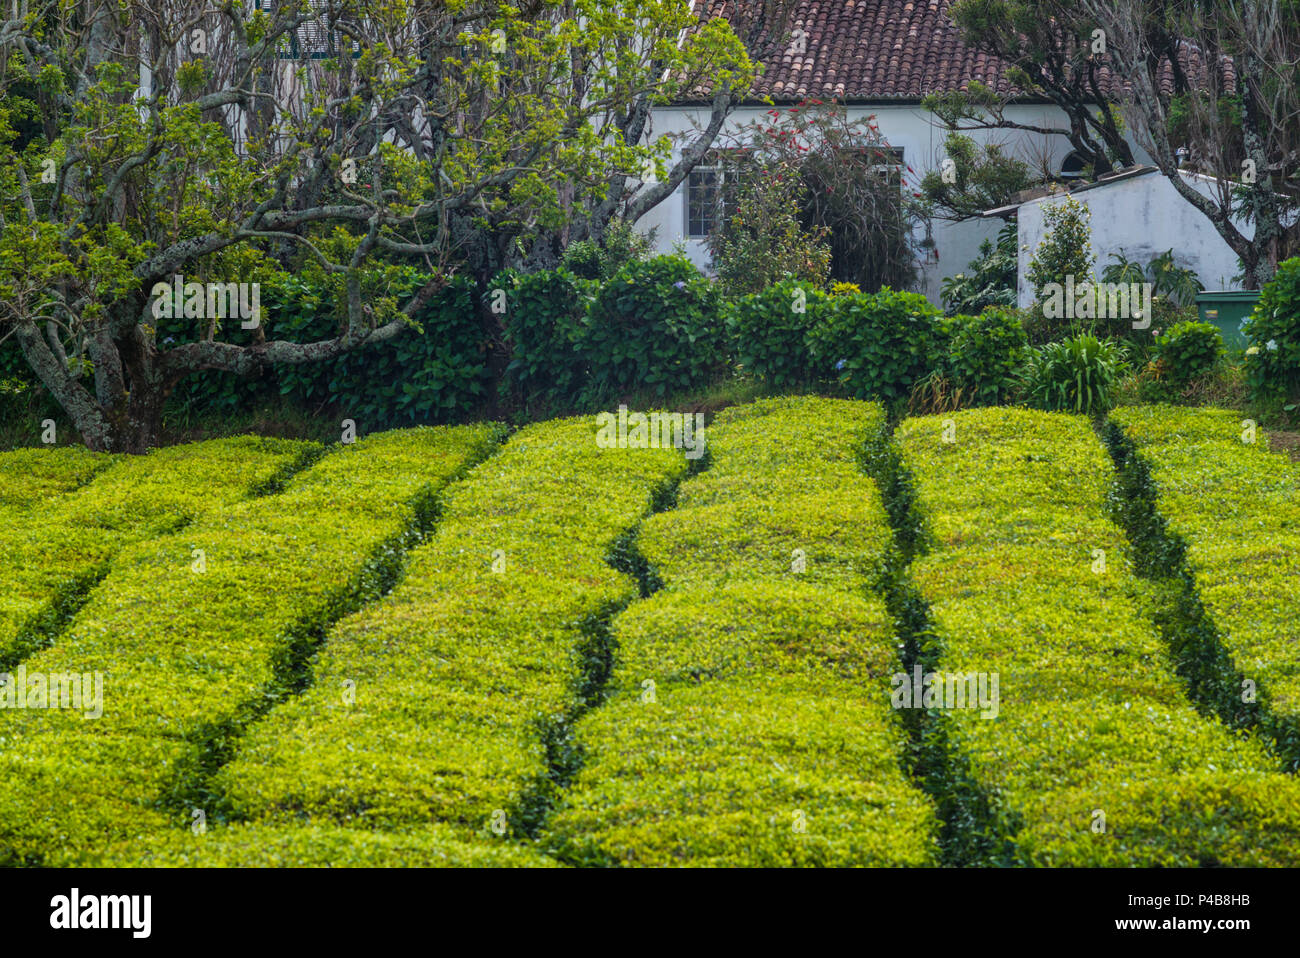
(881, 57)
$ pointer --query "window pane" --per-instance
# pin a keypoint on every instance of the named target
(701, 202)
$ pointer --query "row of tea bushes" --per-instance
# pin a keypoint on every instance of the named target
(71, 511)
(31, 478)
(1236, 506)
(313, 844)
(1095, 756)
(456, 675)
(748, 720)
(198, 631)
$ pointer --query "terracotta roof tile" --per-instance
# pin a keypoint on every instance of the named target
(886, 50)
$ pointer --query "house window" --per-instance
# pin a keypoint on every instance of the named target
(703, 201)
(887, 163)
(711, 191)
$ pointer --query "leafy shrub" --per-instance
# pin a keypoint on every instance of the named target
(843, 289)
(1273, 361)
(1066, 247)
(544, 320)
(880, 344)
(989, 279)
(1188, 350)
(1177, 284)
(1065, 251)
(769, 332)
(1076, 375)
(762, 240)
(986, 352)
(433, 373)
(620, 245)
(655, 325)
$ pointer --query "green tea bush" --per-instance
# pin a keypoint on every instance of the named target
(985, 354)
(1091, 703)
(1188, 350)
(767, 655)
(654, 326)
(48, 566)
(1211, 477)
(503, 602)
(770, 329)
(1273, 361)
(277, 572)
(1076, 375)
(880, 345)
(544, 315)
(259, 845)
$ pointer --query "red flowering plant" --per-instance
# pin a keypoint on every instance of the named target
(853, 191)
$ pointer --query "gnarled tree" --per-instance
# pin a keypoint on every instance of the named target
(140, 141)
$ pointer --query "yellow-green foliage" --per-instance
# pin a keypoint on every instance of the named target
(454, 669)
(785, 476)
(190, 652)
(1092, 718)
(70, 530)
(311, 846)
(30, 478)
(1237, 505)
(748, 721)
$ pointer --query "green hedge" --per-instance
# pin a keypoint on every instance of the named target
(1237, 507)
(769, 739)
(881, 345)
(461, 672)
(654, 326)
(55, 548)
(986, 353)
(191, 657)
(435, 373)
(544, 319)
(1092, 717)
(1273, 361)
(770, 333)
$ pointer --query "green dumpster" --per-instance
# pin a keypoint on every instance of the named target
(1228, 309)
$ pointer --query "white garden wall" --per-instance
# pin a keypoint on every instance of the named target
(1143, 215)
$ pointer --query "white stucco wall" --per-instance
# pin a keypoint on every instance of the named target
(1144, 216)
(906, 126)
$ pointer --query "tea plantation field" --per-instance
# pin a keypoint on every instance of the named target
(997, 637)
